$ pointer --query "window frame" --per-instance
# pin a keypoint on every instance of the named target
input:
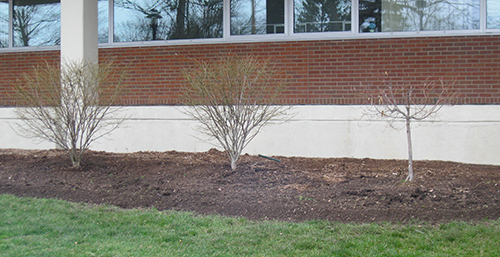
(288, 35)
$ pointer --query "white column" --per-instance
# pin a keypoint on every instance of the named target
(79, 30)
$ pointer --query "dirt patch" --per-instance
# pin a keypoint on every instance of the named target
(295, 189)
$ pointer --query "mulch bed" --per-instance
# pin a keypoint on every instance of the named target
(294, 189)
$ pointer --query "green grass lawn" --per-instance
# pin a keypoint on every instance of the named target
(44, 227)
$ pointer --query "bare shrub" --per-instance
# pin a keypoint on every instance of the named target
(233, 98)
(71, 107)
(409, 102)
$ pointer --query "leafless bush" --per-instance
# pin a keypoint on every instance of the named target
(233, 98)
(72, 106)
(409, 103)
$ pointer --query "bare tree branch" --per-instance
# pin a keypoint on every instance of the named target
(409, 103)
(233, 98)
(71, 107)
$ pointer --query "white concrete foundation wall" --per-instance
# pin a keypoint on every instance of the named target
(468, 134)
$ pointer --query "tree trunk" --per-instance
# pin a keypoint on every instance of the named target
(233, 164)
(253, 20)
(75, 158)
(179, 30)
(410, 150)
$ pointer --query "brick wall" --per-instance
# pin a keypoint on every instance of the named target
(321, 72)
(12, 65)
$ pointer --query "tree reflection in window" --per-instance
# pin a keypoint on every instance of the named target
(103, 18)
(322, 15)
(144, 20)
(4, 23)
(36, 22)
(418, 15)
(249, 17)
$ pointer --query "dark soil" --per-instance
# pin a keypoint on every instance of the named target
(295, 189)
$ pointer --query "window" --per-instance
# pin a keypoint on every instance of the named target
(493, 14)
(418, 15)
(25, 23)
(144, 20)
(250, 17)
(36, 23)
(322, 15)
(4, 23)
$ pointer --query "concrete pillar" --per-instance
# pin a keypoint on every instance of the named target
(79, 39)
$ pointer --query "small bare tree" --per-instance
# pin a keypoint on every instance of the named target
(233, 98)
(410, 103)
(72, 106)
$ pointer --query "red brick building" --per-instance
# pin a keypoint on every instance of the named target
(325, 56)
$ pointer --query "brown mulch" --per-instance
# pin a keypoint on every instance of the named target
(295, 189)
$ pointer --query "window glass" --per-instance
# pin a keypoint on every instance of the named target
(418, 15)
(322, 15)
(257, 17)
(493, 14)
(37, 22)
(103, 21)
(144, 20)
(4, 23)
